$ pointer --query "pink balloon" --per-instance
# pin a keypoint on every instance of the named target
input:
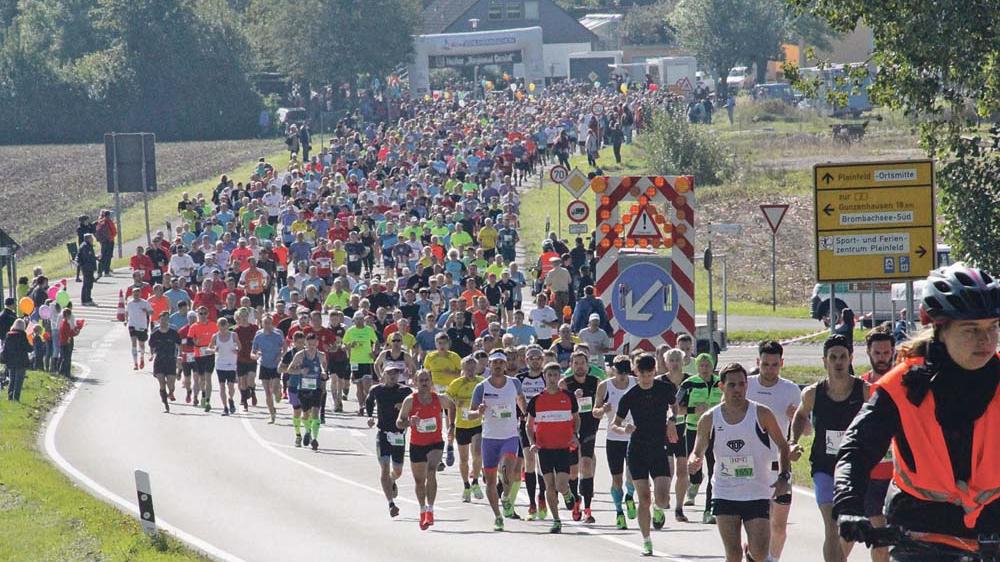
(53, 290)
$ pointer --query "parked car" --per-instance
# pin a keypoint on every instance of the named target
(776, 91)
(740, 78)
(705, 79)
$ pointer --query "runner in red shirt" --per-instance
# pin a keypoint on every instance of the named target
(422, 412)
(552, 426)
(323, 259)
(209, 300)
(141, 263)
(246, 367)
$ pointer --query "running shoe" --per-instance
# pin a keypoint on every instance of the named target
(532, 513)
(315, 444)
(142, 362)
(467, 495)
(166, 408)
(232, 405)
(647, 547)
(543, 512)
(253, 398)
(272, 419)
(207, 405)
(707, 518)
(171, 397)
(135, 366)
(692, 492)
(498, 523)
(225, 411)
(322, 419)
(556, 527)
(450, 455)
(577, 514)
(508, 508)
(659, 518)
(307, 439)
(620, 521)
(568, 500)
(679, 516)
(477, 491)
(588, 517)
(630, 506)
(440, 467)
(430, 518)
(423, 521)
(393, 510)
(245, 407)
(298, 440)
(187, 399)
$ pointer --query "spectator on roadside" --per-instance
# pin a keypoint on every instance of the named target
(587, 306)
(846, 325)
(730, 106)
(901, 330)
(68, 330)
(87, 260)
(616, 137)
(85, 227)
(105, 232)
(7, 316)
(15, 356)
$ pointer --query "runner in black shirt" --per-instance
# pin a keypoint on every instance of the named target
(390, 441)
(584, 387)
(651, 429)
(164, 344)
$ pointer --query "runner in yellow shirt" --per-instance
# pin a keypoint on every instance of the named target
(487, 237)
(468, 432)
(445, 365)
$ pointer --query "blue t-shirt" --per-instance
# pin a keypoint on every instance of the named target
(178, 320)
(269, 347)
(524, 335)
(425, 339)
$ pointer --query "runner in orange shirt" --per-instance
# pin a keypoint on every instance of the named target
(200, 336)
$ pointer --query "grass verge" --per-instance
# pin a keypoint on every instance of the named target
(162, 206)
(44, 516)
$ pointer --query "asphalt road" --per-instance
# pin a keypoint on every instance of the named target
(236, 487)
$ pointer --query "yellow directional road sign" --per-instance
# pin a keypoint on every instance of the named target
(874, 220)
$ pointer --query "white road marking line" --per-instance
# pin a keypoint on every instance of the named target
(97, 489)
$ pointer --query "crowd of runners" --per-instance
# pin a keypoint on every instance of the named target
(381, 278)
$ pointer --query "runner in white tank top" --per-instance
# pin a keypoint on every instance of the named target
(227, 347)
(609, 394)
(740, 433)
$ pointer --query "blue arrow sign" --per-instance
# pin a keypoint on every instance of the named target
(643, 300)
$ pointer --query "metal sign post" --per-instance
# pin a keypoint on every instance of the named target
(774, 215)
(710, 317)
(118, 195)
(145, 202)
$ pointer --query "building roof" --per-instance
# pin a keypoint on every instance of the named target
(439, 14)
(593, 21)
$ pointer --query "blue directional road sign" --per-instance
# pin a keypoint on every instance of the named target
(643, 300)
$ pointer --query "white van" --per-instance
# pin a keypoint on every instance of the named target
(880, 299)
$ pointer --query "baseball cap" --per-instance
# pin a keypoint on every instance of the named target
(594, 316)
(498, 356)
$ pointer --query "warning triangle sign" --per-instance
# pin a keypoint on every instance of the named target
(644, 226)
(774, 214)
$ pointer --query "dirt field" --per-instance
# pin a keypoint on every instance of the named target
(47, 186)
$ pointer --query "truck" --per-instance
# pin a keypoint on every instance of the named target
(740, 78)
(834, 78)
(676, 74)
(873, 302)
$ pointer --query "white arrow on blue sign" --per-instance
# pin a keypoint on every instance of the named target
(643, 300)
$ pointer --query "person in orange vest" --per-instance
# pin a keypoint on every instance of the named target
(940, 410)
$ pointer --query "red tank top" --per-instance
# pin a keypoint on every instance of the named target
(427, 431)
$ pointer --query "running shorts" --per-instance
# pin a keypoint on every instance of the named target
(647, 460)
(616, 452)
(745, 510)
(587, 444)
(165, 366)
(309, 399)
(495, 449)
(256, 300)
(554, 460)
(226, 376)
(267, 373)
(463, 435)
(140, 335)
(680, 448)
(387, 451)
(341, 369)
(418, 453)
(243, 369)
(293, 398)
(364, 370)
(823, 487)
(205, 364)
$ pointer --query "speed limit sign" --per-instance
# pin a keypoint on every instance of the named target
(558, 174)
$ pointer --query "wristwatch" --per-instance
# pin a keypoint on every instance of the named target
(786, 476)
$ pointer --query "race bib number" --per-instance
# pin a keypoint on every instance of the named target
(502, 412)
(188, 357)
(736, 467)
(833, 441)
(353, 257)
(466, 414)
(309, 384)
(253, 285)
(204, 351)
(428, 425)
(396, 439)
(586, 404)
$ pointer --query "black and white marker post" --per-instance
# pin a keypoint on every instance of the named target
(145, 494)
